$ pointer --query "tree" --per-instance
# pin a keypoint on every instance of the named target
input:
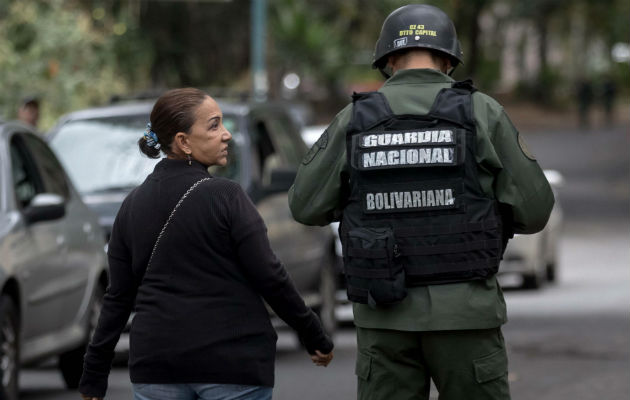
(64, 55)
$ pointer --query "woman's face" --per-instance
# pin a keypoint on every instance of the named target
(208, 139)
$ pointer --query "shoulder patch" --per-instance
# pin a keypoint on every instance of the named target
(320, 144)
(524, 148)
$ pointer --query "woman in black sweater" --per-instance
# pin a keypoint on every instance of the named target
(201, 329)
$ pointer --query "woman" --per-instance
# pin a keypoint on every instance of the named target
(189, 253)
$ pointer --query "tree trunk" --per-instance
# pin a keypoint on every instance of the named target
(474, 30)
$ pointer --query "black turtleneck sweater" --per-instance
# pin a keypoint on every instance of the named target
(199, 311)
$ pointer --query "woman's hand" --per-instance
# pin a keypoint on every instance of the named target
(320, 359)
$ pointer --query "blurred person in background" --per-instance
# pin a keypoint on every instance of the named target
(585, 98)
(189, 254)
(29, 111)
(608, 96)
(429, 179)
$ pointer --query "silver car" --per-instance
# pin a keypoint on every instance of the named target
(52, 263)
(533, 259)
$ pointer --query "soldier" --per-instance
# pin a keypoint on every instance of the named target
(417, 173)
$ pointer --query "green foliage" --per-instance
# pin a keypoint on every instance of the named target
(317, 39)
(488, 73)
(548, 90)
(59, 54)
(74, 53)
(620, 73)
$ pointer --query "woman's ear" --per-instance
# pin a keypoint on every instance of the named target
(181, 144)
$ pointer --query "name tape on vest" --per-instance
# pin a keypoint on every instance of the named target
(408, 157)
(414, 148)
(413, 200)
(382, 139)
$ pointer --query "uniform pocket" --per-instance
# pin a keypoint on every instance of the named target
(363, 366)
(491, 367)
(374, 276)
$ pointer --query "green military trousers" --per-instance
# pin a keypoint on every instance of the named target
(464, 365)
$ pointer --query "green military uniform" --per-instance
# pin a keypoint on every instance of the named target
(449, 332)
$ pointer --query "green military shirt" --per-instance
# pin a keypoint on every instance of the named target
(507, 172)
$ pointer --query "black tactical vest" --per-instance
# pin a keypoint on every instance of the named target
(416, 213)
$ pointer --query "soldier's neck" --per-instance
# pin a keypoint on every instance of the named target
(415, 60)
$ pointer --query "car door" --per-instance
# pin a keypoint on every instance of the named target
(77, 239)
(301, 248)
(38, 250)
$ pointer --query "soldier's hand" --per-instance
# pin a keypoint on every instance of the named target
(320, 359)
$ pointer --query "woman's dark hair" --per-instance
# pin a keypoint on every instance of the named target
(173, 112)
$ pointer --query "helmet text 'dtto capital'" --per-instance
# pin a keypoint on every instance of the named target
(417, 26)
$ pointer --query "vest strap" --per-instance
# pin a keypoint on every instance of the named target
(367, 253)
(357, 292)
(486, 225)
(368, 273)
(450, 248)
(368, 109)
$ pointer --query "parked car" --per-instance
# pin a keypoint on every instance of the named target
(532, 258)
(311, 133)
(98, 148)
(52, 263)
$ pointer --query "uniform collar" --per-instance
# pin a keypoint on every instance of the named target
(415, 76)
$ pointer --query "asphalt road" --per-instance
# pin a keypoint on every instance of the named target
(567, 341)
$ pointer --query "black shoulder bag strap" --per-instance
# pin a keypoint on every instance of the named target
(170, 217)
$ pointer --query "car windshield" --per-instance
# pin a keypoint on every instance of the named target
(102, 154)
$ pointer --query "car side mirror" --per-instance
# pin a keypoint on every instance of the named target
(280, 180)
(45, 207)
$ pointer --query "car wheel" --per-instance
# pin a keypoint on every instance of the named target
(538, 275)
(328, 292)
(537, 278)
(9, 349)
(532, 281)
(71, 362)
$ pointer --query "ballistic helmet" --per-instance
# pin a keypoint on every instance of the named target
(417, 25)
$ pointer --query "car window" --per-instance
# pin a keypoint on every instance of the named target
(51, 172)
(101, 154)
(26, 182)
(286, 138)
